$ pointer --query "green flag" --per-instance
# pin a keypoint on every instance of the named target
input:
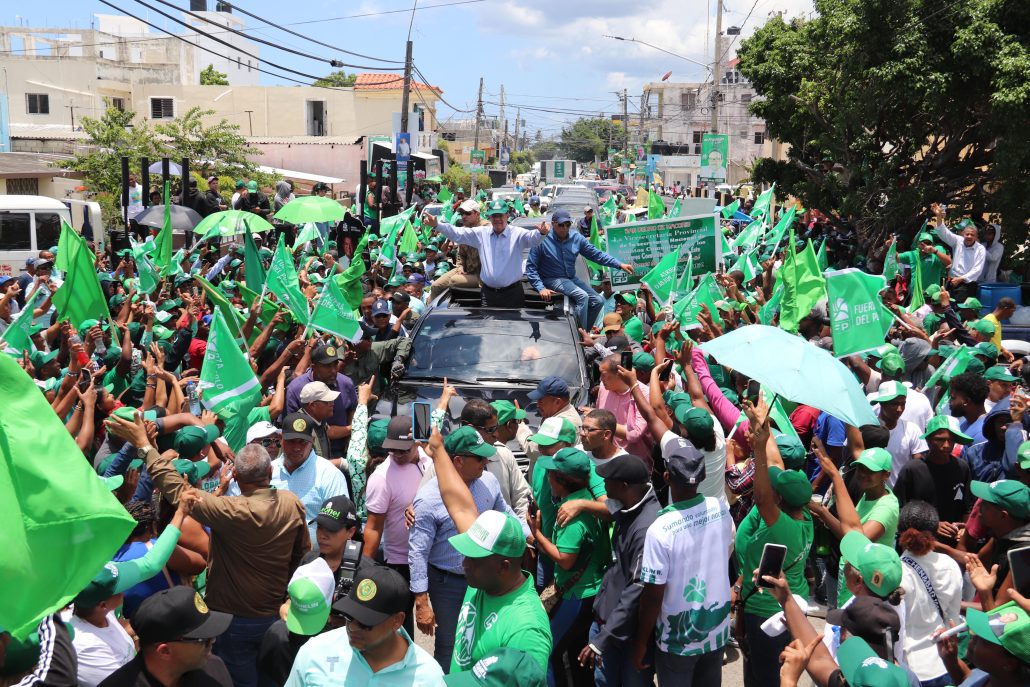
(724, 247)
(824, 262)
(746, 264)
(676, 210)
(162, 253)
(917, 299)
(954, 364)
(350, 279)
(444, 195)
(608, 210)
(890, 263)
(706, 293)
(763, 203)
(767, 312)
(268, 309)
(729, 210)
(749, 235)
(282, 281)
(308, 232)
(334, 315)
(662, 277)
(655, 206)
(686, 281)
(778, 415)
(481, 195)
(61, 524)
(776, 235)
(803, 285)
(447, 214)
(858, 319)
(16, 337)
(390, 229)
(230, 387)
(254, 268)
(229, 312)
(80, 297)
(146, 270)
(519, 207)
(409, 240)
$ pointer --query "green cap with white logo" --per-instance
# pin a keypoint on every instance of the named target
(496, 207)
(875, 459)
(568, 461)
(1007, 625)
(506, 412)
(861, 667)
(466, 441)
(492, 533)
(311, 593)
(555, 429)
(949, 423)
(999, 373)
(890, 391)
(1007, 494)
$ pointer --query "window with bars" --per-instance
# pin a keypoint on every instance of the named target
(162, 108)
(37, 103)
(759, 137)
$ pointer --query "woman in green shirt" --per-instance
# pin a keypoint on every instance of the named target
(580, 550)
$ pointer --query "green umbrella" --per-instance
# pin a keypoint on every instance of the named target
(310, 209)
(435, 179)
(795, 370)
(230, 223)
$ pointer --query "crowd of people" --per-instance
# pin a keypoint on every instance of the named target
(616, 537)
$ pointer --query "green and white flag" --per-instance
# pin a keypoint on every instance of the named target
(890, 263)
(821, 258)
(444, 195)
(309, 232)
(747, 264)
(776, 235)
(749, 235)
(608, 210)
(662, 277)
(729, 210)
(254, 269)
(706, 293)
(763, 203)
(16, 337)
(229, 384)
(767, 313)
(677, 209)
(858, 319)
(954, 364)
(282, 281)
(229, 312)
(334, 315)
(686, 281)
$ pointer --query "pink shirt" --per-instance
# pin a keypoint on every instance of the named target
(390, 490)
(638, 439)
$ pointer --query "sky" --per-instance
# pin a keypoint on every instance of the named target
(551, 56)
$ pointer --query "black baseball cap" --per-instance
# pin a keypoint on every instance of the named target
(625, 468)
(325, 354)
(867, 617)
(398, 434)
(686, 466)
(378, 593)
(337, 513)
(177, 613)
(400, 297)
(298, 426)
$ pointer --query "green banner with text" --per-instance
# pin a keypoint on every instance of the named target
(643, 244)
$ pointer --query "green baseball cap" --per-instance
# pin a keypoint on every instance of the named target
(128, 413)
(569, 461)
(976, 366)
(496, 207)
(697, 423)
(889, 391)
(252, 186)
(985, 327)
(500, 668)
(634, 329)
(643, 361)
(629, 297)
(970, 304)
(881, 351)
(999, 373)
(191, 439)
(191, 470)
(1007, 625)
(875, 459)
(377, 434)
(924, 237)
(555, 429)
(986, 349)
(791, 485)
(792, 451)
(492, 533)
(950, 423)
(101, 587)
(862, 667)
(466, 441)
(879, 565)
(161, 332)
(399, 280)
(506, 412)
(1007, 494)
(311, 591)
(892, 364)
(39, 358)
(1023, 454)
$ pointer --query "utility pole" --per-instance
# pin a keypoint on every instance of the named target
(406, 93)
(71, 109)
(475, 140)
(518, 117)
(250, 120)
(625, 123)
(717, 68)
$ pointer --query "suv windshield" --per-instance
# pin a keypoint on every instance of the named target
(495, 345)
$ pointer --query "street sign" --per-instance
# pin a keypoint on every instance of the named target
(643, 244)
(715, 153)
(559, 169)
(477, 160)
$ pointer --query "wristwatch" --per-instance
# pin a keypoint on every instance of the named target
(141, 453)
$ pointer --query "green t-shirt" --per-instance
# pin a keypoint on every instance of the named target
(884, 510)
(587, 536)
(752, 536)
(545, 500)
(486, 623)
(119, 382)
(931, 322)
(934, 270)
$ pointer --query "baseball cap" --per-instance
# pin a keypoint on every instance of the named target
(1007, 625)
(892, 363)
(611, 322)
(177, 613)
(970, 304)
(616, 344)
(501, 667)
(190, 440)
(555, 429)
(697, 422)
(986, 349)
(862, 667)
(469, 206)
(561, 216)
(1000, 373)
(1023, 454)
(643, 361)
(889, 391)
(317, 391)
(550, 386)
(398, 434)
(627, 298)
(686, 465)
(39, 358)
(397, 280)
(792, 486)
(240, 183)
(506, 411)
(569, 461)
(879, 565)
(297, 426)
(496, 207)
(1007, 494)
(867, 617)
(325, 354)
(191, 470)
(625, 468)
(413, 279)
(949, 423)
(337, 513)
(260, 430)
(311, 596)
(102, 586)
(924, 236)
(985, 327)
(377, 434)
(491, 533)
(378, 593)
(875, 459)
(398, 297)
(252, 186)
(466, 441)
(792, 451)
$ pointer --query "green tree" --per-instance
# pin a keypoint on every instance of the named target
(218, 149)
(889, 105)
(521, 161)
(457, 177)
(211, 77)
(339, 79)
(587, 139)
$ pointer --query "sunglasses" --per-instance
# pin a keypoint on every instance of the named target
(565, 224)
(481, 459)
(209, 641)
(348, 620)
(489, 430)
(465, 212)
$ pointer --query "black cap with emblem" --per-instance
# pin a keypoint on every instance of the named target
(325, 354)
(297, 426)
(175, 614)
(378, 593)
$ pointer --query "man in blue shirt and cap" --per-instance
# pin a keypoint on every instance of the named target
(551, 268)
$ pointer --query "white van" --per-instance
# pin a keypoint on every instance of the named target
(29, 224)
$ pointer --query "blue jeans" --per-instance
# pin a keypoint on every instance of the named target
(238, 648)
(570, 631)
(588, 303)
(704, 670)
(617, 670)
(446, 592)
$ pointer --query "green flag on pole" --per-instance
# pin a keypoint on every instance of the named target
(655, 206)
(146, 270)
(677, 209)
(772, 240)
(608, 210)
(890, 263)
(334, 315)
(16, 337)
(519, 207)
(858, 319)
(162, 253)
(662, 277)
(767, 312)
(917, 299)
(729, 210)
(685, 284)
(706, 293)
(444, 194)
(254, 268)
(282, 281)
(409, 240)
(61, 524)
(229, 312)
(747, 264)
(954, 364)
(778, 415)
(308, 232)
(803, 285)
(350, 279)
(749, 235)
(824, 262)
(763, 203)
(80, 297)
(230, 389)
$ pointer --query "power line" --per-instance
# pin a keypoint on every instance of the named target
(376, 14)
(439, 95)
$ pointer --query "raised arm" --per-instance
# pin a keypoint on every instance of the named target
(455, 494)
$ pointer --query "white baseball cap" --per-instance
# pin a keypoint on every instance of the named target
(469, 206)
(260, 430)
(317, 391)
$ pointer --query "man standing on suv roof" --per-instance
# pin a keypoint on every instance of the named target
(500, 253)
(465, 274)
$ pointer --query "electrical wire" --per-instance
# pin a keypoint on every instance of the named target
(439, 95)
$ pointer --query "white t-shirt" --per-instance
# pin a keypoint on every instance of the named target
(598, 462)
(904, 441)
(921, 614)
(714, 483)
(831, 634)
(918, 410)
(100, 650)
(687, 549)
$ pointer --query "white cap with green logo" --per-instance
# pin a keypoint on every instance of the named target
(493, 532)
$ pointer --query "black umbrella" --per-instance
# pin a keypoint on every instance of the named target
(183, 218)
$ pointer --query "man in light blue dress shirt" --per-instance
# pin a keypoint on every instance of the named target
(500, 252)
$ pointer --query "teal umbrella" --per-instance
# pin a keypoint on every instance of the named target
(230, 223)
(795, 370)
(310, 209)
